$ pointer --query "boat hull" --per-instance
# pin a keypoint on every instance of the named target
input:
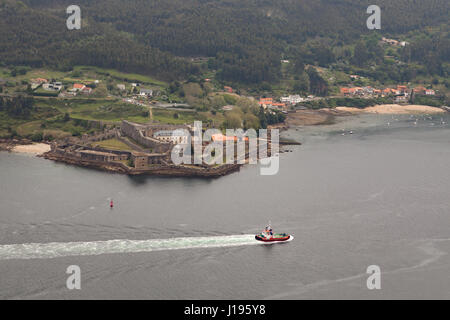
(274, 239)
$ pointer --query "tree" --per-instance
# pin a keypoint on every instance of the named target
(251, 121)
(361, 54)
(66, 117)
(318, 85)
(232, 120)
(302, 85)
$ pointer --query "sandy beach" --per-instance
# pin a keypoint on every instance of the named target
(35, 148)
(394, 109)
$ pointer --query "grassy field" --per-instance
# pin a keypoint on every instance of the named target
(110, 111)
(129, 77)
(7, 124)
(113, 144)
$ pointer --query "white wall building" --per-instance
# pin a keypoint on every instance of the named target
(292, 99)
(169, 136)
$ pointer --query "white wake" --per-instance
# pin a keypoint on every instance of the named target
(92, 248)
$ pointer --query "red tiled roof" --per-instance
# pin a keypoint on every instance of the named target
(78, 86)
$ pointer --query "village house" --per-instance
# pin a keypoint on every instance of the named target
(54, 86)
(345, 91)
(402, 89)
(430, 92)
(352, 91)
(146, 92)
(86, 90)
(121, 87)
(228, 89)
(419, 90)
(393, 42)
(265, 102)
(78, 86)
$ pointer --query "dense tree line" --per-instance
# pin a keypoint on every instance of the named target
(37, 38)
(245, 39)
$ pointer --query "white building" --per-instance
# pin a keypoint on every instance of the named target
(54, 86)
(146, 92)
(171, 136)
(292, 99)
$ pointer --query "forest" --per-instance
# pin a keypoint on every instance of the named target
(242, 41)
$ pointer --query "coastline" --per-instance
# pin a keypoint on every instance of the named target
(393, 109)
(35, 148)
(306, 117)
(24, 146)
(327, 116)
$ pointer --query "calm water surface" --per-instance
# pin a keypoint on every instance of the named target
(377, 196)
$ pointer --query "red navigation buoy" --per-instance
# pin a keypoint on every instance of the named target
(111, 204)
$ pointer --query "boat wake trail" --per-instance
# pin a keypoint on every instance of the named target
(92, 248)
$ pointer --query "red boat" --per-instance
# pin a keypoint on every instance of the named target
(268, 236)
(274, 238)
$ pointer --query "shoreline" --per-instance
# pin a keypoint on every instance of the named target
(24, 146)
(327, 116)
(393, 109)
(306, 117)
(34, 148)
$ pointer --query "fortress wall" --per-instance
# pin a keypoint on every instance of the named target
(136, 132)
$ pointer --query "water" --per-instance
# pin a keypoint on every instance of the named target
(377, 196)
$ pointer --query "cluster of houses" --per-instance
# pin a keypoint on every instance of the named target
(402, 93)
(57, 86)
(393, 42)
(284, 103)
(269, 103)
(147, 93)
(79, 88)
(292, 99)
